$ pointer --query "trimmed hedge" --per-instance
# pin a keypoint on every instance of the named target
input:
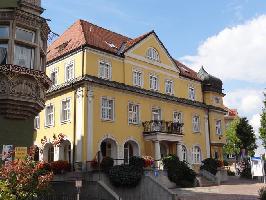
(262, 193)
(106, 164)
(179, 172)
(125, 176)
(210, 165)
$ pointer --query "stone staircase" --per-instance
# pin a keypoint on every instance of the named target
(204, 182)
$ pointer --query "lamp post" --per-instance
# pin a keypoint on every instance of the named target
(78, 186)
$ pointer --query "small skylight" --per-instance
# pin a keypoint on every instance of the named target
(111, 45)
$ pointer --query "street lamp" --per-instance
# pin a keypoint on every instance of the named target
(78, 186)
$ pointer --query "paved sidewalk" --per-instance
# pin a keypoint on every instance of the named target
(234, 189)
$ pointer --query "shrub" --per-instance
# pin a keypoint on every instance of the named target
(226, 163)
(179, 172)
(170, 161)
(44, 166)
(60, 166)
(230, 173)
(245, 169)
(125, 175)
(106, 164)
(262, 193)
(137, 162)
(23, 179)
(210, 165)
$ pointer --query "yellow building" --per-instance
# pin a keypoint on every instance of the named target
(123, 97)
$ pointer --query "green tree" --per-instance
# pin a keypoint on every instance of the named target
(231, 139)
(262, 129)
(246, 136)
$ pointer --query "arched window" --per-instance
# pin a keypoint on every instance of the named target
(152, 54)
(128, 152)
(196, 155)
(67, 152)
(51, 154)
(184, 153)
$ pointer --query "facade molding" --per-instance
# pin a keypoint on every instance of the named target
(150, 68)
(92, 79)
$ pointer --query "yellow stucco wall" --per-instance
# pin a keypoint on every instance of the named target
(119, 129)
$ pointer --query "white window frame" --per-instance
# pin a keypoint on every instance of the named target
(218, 127)
(154, 82)
(71, 62)
(68, 109)
(133, 113)
(54, 70)
(107, 73)
(37, 122)
(184, 152)
(137, 78)
(153, 54)
(111, 108)
(191, 93)
(196, 125)
(169, 84)
(175, 118)
(196, 155)
(159, 113)
(46, 117)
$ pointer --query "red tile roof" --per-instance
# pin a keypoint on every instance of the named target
(83, 33)
(187, 72)
(231, 112)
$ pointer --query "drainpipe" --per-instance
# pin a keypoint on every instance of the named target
(83, 50)
(209, 127)
(74, 131)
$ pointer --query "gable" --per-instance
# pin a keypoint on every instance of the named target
(139, 52)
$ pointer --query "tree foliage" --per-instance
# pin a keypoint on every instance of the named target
(232, 139)
(262, 129)
(23, 180)
(246, 136)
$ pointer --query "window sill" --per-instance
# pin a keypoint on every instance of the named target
(134, 124)
(196, 132)
(48, 126)
(108, 120)
(66, 121)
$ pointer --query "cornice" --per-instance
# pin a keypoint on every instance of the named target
(120, 86)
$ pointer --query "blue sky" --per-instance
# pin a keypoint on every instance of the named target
(228, 37)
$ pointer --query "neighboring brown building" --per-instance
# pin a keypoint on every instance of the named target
(23, 83)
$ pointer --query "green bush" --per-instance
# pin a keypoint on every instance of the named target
(125, 175)
(179, 172)
(137, 162)
(106, 164)
(226, 163)
(210, 165)
(245, 169)
(262, 193)
(230, 173)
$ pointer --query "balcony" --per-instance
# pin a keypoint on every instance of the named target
(22, 91)
(160, 130)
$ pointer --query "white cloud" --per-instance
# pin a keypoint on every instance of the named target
(247, 101)
(236, 53)
(255, 123)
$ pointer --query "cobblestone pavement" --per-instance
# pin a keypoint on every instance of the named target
(234, 189)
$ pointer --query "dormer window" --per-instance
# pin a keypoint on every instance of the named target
(153, 54)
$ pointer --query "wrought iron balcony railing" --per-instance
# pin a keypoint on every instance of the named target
(156, 126)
